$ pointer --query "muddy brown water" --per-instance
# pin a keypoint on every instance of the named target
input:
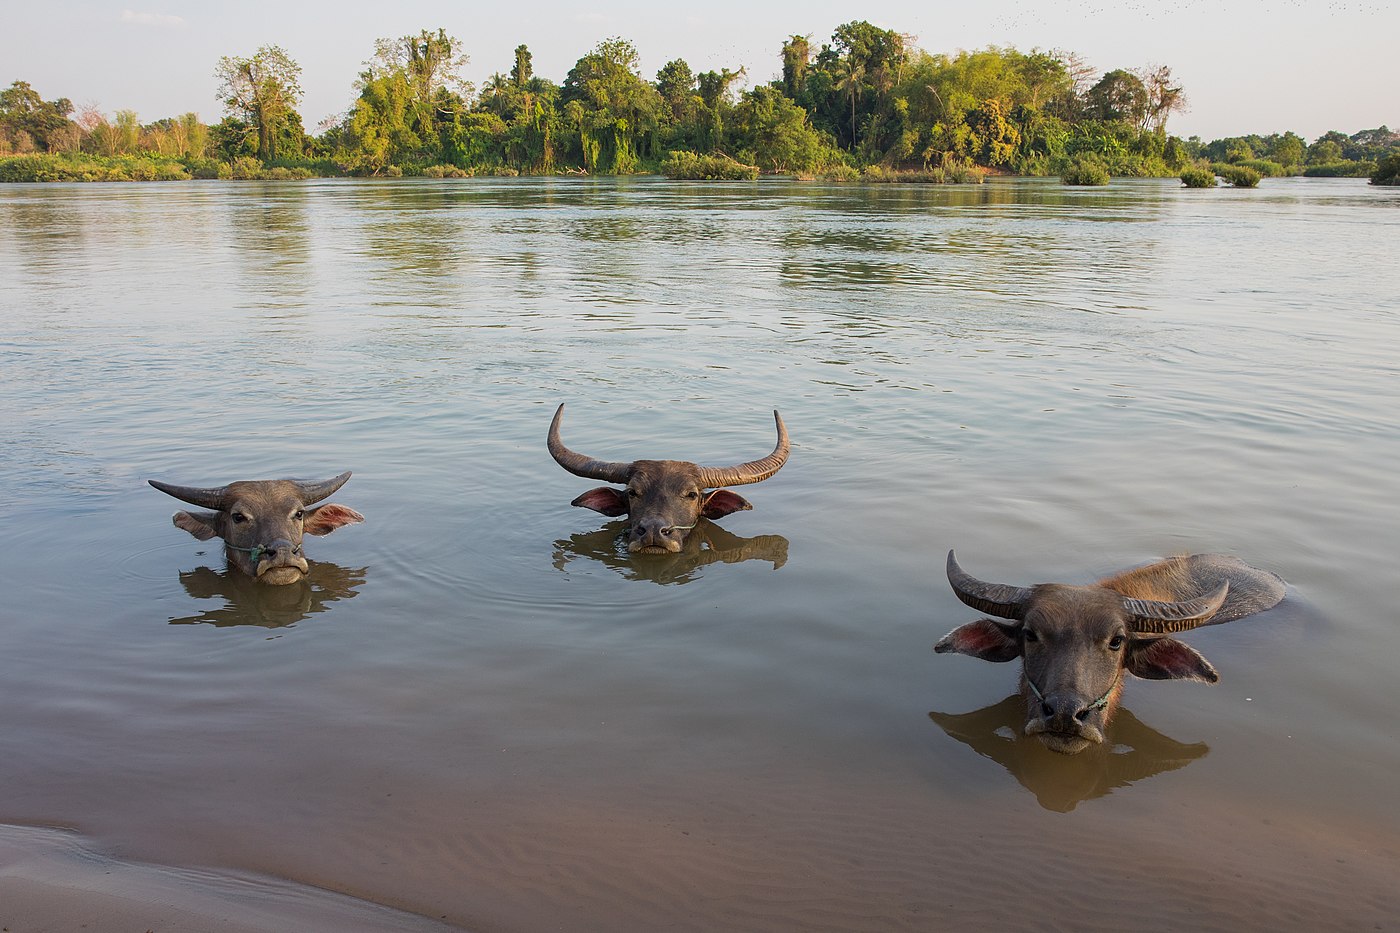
(480, 709)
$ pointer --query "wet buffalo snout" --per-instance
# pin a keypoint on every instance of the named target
(280, 552)
(655, 533)
(1064, 711)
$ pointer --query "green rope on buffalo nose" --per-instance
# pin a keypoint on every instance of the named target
(256, 550)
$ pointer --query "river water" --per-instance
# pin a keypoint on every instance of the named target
(482, 710)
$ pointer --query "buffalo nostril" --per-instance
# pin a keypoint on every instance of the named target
(1082, 715)
(1046, 711)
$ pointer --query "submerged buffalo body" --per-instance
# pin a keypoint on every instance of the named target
(262, 521)
(664, 499)
(1076, 642)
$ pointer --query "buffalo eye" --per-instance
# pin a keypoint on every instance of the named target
(299, 514)
(1029, 635)
(692, 494)
(239, 518)
(1115, 643)
(633, 493)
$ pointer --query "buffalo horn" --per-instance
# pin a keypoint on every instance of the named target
(311, 493)
(578, 464)
(998, 599)
(213, 497)
(1158, 618)
(755, 471)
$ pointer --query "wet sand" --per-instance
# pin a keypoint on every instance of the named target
(50, 879)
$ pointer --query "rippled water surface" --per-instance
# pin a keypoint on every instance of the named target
(481, 709)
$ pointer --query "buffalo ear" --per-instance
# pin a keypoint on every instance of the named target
(987, 639)
(324, 519)
(203, 525)
(723, 501)
(1168, 659)
(604, 499)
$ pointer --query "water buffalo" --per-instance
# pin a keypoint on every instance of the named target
(1075, 642)
(664, 498)
(262, 521)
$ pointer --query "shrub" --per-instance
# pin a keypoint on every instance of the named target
(951, 174)
(1264, 167)
(1387, 171)
(1241, 176)
(245, 168)
(683, 164)
(1196, 177)
(964, 175)
(1340, 170)
(1085, 169)
(841, 172)
(21, 168)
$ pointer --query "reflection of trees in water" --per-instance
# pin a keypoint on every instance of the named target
(706, 544)
(248, 602)
(1133, 752)
(272, 233)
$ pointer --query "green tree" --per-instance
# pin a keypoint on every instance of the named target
(523, 69)
(613, 111)
(776, 134)
(797, 54)
(428, 61)
(411, 108)
(994, 138)
(1119, 96)
(22, 110)
(263, 91)
(128, 127)
(676, 84)
(1288, 150)
(1324, 151)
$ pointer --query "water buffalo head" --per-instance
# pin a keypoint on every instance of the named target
(663, 499)
(1075, 643)
(262, 521)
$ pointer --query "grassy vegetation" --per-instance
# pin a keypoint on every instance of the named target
(1340, 170)
(1086, 169)
(1241, 176)
(692, 166)
(1197, 177)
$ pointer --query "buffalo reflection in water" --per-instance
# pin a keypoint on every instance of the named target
(1060, 782)
(248, 602)
(706, 544)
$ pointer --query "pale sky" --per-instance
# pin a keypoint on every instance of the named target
(1246, 66)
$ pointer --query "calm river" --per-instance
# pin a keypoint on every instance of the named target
(482, 710)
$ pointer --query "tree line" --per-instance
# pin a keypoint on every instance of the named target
(868, 99)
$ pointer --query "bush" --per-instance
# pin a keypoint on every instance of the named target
(1196, 177)
(1387, 171)
(1241, 176)
(953, 174)
(1264, 167)
(246, 168)
(841, 172)
(81, 166)
(683, 164)
(445, 171)
(1085, 169)
(1340, 170)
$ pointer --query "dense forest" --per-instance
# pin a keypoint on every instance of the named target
(867, 104)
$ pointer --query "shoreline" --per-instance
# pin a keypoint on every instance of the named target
(54, 878)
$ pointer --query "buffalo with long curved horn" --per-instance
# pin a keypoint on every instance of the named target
(262, 522)
(1076, 642)
(664, 499)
